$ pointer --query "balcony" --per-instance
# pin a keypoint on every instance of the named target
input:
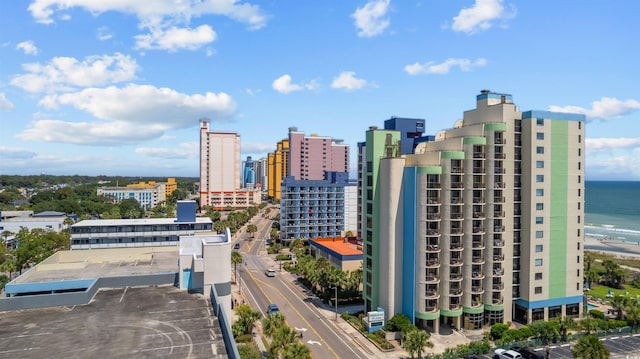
(499, 185)
(477, 244)
(499, 170)
(498, 214)
(433, 200)
(430, 309)
(498, 257)
(454, 306)
(477, 290)
(500, 156)
(456, 246)
(500, 141)
(498, 286)
(477, 259)
(433, 279)
(478, 155)
(455, 262)
(498, 272)
(478, 185)
(433, 248)
(457, 200)
(457, 185)
(477, 275)
(432, 232)
(432, 263)
(498, 243)
(433, 216)
(498, 199)
(478, 230)
(498, 229)
(455, 292)
(457, 170)
(497, 300)
(478, 200)
(478, 170)
(456, 216)
(478, 214)
(433, 185)
(455, 277)
(432, 294)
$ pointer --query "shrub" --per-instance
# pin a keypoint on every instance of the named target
(482, 347)
(398, 323)
(498, 330)
(245, 338)
(594, 313)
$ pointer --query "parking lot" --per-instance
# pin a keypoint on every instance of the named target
(624, 346)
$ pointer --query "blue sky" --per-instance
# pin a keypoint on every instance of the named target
(117, 87)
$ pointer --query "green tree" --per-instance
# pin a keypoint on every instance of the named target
(589, 325)
(633, 312)
(5, 235)
(565, 324)
(415, 341)
(251, 229)
(272, 323)
(296, 246)
(618, 302)
(545, 331)
(497, 330)
(37, 245)
(590, 347)
(281, 340)
(398, 323)
(246, 320)
(249, 351)
(274, 234)
(236, 258)
(614, 275)
(297, 351)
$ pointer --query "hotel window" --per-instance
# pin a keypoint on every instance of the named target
(577, 272)
(579, 165)
(579, 192)
(577, 259)
(539, 276)
(538, 262)
(538, 290)
(539, 178)
(578, 219)
(540, 150)
(539, 220)
(579, 138)
(539, 164)
(539, 206)
(539, 192)
(540, 122)
(578, 232)
(540, 136)
(538, 248)
(579, 152)
(539, 234)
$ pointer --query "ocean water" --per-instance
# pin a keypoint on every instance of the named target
(612, 210)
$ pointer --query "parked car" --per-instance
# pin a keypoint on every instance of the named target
(528, 353)
(273, 309)
(270, 272)
(506, 354)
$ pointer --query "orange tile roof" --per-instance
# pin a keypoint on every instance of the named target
(338, 245)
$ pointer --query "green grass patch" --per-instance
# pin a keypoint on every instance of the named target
(600, 291)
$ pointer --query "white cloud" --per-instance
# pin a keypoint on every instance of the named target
(16, 153)
(173, 38)
(606, 108)
(371, 20)
(5, 104)
(166, 20)
(183, 151)
(128, 115)
(480, 16)
(598, 145)
(67, 73)
(444, 67)
(283, 85)
(104, 33)
(347, 80)
(28, 47)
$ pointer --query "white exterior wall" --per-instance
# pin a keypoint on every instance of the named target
(391, 235)
(351, 209)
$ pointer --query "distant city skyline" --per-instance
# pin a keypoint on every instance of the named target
(110, 88)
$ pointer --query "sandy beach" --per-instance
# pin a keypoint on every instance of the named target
(618, 248)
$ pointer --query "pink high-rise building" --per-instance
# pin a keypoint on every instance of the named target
(310, 156)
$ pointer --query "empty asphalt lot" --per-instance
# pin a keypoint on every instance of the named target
(143, 322)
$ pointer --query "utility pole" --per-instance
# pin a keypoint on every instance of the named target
(336, 288)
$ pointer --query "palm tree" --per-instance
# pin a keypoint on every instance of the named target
(618, 303)
(589, 325)
(272, 323)
(246, 321)
(297, 351)
(564, 325)
(590, 347)
(251, 229)
(5, 234)
(236, 258)
(414, 341)
(282, 339)
(632, 311)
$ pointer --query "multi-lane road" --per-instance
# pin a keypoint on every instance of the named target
(319, 333)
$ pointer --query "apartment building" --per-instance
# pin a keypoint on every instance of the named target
(305, 158)
(220, 171)
(313, 208)
(482, 225)
(148, 194)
